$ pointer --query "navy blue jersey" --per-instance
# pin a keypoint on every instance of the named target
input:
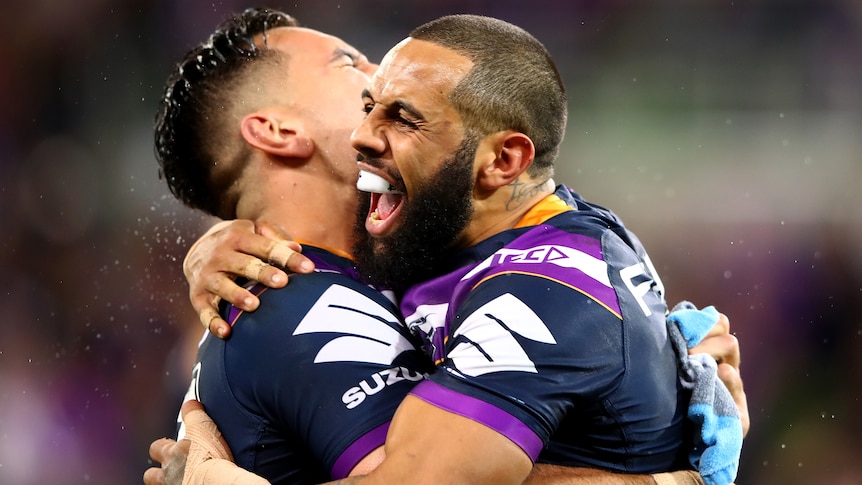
(306, 386)
(553, 333)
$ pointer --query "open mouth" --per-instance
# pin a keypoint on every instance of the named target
(386, 202)
(383, 206)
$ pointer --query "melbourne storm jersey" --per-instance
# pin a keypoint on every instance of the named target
(306, 386)
(553, 333)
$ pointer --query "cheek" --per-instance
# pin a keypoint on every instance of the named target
(340, 97)
(417, 167)
(339, 112)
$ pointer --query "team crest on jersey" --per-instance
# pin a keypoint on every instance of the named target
(427, 323)
(367, 329)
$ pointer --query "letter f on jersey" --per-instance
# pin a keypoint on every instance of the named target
(371, 329)
(485, 343)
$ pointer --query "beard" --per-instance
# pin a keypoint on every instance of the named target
(431, 221)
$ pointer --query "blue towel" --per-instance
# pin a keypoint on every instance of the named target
(718, 429)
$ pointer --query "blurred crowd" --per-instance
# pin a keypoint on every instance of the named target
(726, 134)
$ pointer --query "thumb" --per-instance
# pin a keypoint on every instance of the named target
(206, 440)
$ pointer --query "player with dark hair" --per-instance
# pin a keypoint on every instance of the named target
(305, 391)
(520, 372)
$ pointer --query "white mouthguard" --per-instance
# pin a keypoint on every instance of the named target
(369, 182)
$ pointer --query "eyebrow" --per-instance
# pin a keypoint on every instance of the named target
(400, 104)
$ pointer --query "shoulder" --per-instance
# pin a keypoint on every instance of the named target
(305, 291)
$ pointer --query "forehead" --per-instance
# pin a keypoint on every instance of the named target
(302, 43)
(419, 69)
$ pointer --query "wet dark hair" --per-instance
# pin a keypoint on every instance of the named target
(514, 83)
(191, 138)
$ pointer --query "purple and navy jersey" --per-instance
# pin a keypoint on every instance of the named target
(553, 333)
(306, 385)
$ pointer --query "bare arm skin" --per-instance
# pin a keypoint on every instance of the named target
(428, 445)
(441, 447)
(561, 475)
(205, 459)
(719, 343)
(232, 249)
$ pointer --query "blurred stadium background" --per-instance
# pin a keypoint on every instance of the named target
(727, 133)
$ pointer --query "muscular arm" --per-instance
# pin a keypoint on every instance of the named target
(210, 462)
(429, 445)
(436, 446)
(543, 474)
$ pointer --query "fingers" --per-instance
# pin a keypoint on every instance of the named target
(161, 450)
(154, 476)
(733, 381)
(721, 327)
(246, 257)
(214, 280)
(719, 343)
(176, 469)
(723, 348)
(230, 249)
(287, 255)
(284, 251)
(172, 456)
(211, 319)
(272, 230)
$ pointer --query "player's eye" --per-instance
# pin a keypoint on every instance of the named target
(406, 122)
(352, 58)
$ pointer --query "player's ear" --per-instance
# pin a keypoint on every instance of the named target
(273, 133)
(502, 157)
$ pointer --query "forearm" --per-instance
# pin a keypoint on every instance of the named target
(347, 481)
(682, 477)
(543, 474)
